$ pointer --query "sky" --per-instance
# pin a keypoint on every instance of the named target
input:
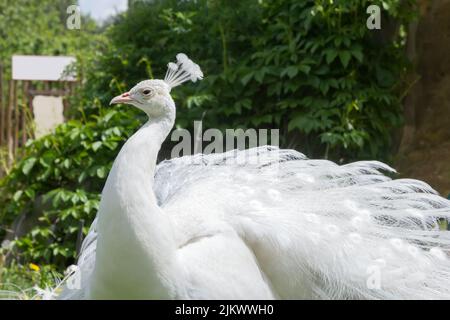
(102, 9)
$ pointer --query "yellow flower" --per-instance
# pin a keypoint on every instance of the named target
(34, 267)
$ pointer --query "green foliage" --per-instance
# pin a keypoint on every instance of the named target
(39, 27)
(60, 178)
(311, 68)
(20, 282)
(325, 76)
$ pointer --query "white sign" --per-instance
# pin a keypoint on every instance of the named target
(44, 68)
(48, 114)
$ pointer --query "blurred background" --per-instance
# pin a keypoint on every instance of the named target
(335, 88)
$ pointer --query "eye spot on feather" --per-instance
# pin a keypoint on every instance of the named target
(350, 204)
(375, 190)
(274, 194)
(381, 262)
(364, 212)
(414, 212)
(417, 214)
(438, 253)
(247, 190)
(256, 205)
(305, 177)
(398, 273)
(385, 252)
(315, 237)
(412, 250)
(417, 276)
(396, 243)
(313, 218)
(357, 222)
(332, 229)
(247, 176)
(355, 237)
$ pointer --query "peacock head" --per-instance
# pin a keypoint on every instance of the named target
(152, 96)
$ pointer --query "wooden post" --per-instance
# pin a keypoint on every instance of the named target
(24, 113)
(9, 132)
(16, 118)
(2, 109)
(65, 95)
(30, 103)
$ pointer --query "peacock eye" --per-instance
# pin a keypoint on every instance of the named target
(147, 91)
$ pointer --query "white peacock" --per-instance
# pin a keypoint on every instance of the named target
(293, 228)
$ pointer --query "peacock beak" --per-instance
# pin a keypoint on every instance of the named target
(123, 98)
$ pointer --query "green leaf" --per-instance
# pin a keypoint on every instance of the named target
(384, 77)
(30, 193)
(96, 145)
(358, 55)
(17, 195)
(66, 163)
(344, 56)
(101, 172)
(305, 68)
(290, 71)
(259, 75)
(330, 56)
(303, 122)
(246, 79)
(324, 87)
(28, 165)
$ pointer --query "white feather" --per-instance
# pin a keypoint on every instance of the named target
(181, 71)
(262, 223)
(305, 242)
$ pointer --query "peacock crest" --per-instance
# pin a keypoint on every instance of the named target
(184, 69)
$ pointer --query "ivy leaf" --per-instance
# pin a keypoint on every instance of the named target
(246, 79)
(384, 77)
(291, 71)
(358, 55)
(304, 123)
(344, 56)
(305, 69)
(259, 75)
(330, 56)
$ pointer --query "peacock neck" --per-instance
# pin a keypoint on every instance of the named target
(140, 152)
(135, 242)
(134, 167)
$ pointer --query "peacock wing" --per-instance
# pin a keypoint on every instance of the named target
(317, 229)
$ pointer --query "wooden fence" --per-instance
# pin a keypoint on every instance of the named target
(16, 112)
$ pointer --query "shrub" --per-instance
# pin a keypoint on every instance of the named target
(311, 67)
(59, 179)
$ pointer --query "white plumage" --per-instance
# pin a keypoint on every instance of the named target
(262, 223)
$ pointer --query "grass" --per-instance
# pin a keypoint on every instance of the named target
(26, 282)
